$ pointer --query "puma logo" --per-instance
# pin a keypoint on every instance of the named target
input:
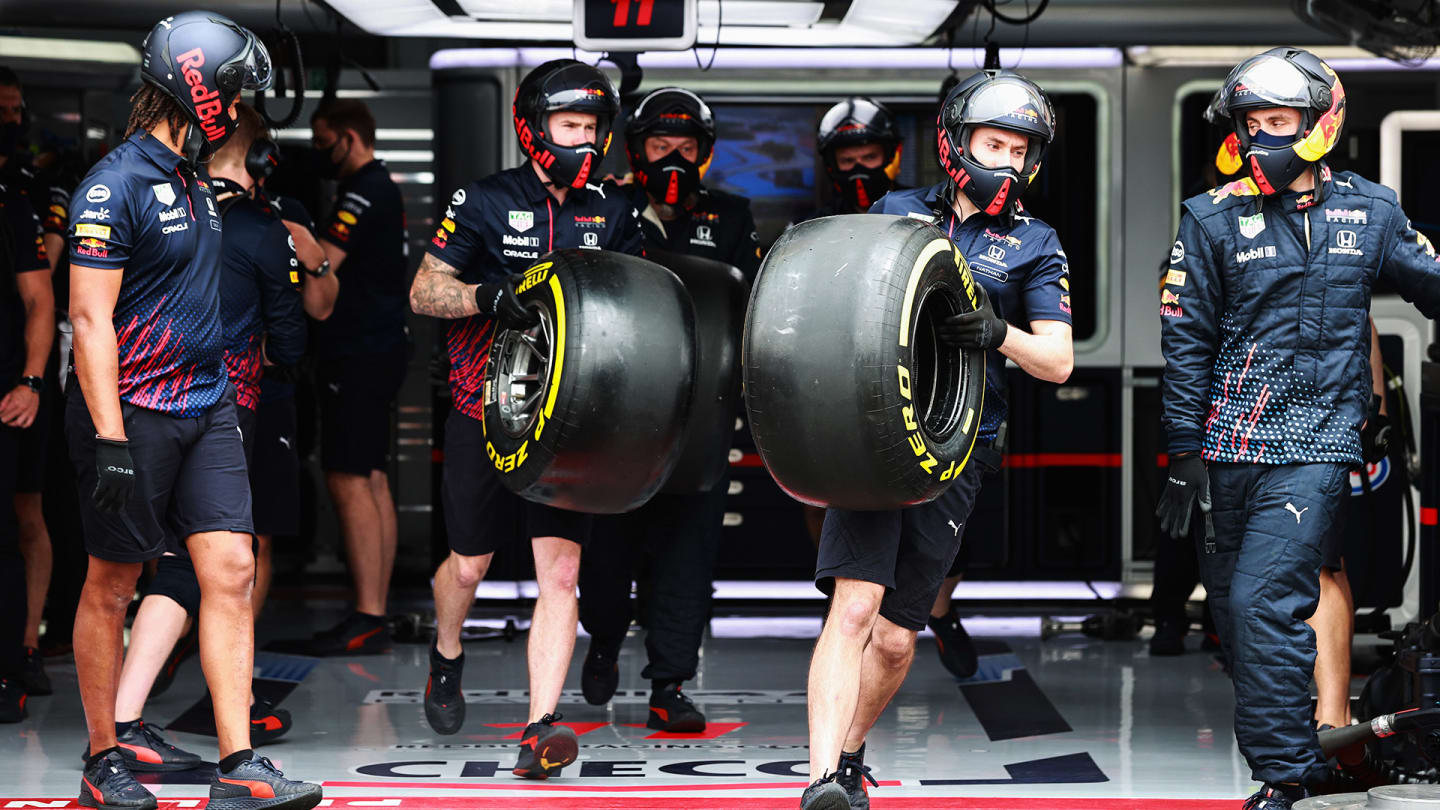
(284, 441)
(1290, 507)
(334, 387)
(954, 526)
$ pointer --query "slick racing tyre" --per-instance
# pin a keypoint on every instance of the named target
(852, 400)
(586, 410)
(718, 292)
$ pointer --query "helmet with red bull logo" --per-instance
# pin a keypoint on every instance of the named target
(855, 122)
(202, 61)
(1283, 77)
(994, 98)
(564, 85)
(670, 111)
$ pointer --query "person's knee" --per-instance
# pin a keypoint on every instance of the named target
(854, 609)
(469, 571)
(895, 645)
(561, 573)
(227, 570)
(175, 580)
(30, 514)
(110, 586)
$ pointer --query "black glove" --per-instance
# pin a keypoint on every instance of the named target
(497, 300)
(1375, 436)
(1188, 484)
(116, 472)
(980, 329)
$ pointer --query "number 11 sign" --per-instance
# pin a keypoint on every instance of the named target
(635, 25)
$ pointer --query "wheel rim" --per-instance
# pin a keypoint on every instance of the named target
(522, 376)
(941, 378)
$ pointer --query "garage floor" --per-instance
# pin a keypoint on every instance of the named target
(1065, 724)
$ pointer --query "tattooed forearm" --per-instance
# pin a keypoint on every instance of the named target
(439, 292)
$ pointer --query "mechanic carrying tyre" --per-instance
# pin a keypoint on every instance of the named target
(830, 354)
(491, 231)
(675, 537)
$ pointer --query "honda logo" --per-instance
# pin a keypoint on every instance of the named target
(703, 232)
(995, 252)
(1346, 238)
(591, 239)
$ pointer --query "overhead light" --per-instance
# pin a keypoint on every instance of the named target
(1231, 55)
(69, 50)
(529, 11)
(795, 58)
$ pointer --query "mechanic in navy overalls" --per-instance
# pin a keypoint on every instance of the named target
(493, 229)
(993, 131)
(1267, 386)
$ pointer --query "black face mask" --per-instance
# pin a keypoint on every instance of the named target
(671, 179)
(861, 186)
(324, 165)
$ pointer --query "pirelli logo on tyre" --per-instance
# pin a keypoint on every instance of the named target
(533, 276)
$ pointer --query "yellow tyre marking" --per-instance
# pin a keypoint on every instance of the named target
(935, 246)
(558, 346)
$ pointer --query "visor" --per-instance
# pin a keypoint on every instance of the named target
(259, 73)
(1268, 81)
(1009, 105)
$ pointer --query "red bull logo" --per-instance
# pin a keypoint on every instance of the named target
(206, 100)
(1167, 297)
(1244, 187)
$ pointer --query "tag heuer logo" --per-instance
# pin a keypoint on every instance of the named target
(522, 221)
(1252, 225)
(165, 193)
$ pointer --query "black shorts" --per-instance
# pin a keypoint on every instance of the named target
(33, 448)
(275, 469)
(472, 494)
(357, 393)
(906, 550)
(246, 419)
(189, 478)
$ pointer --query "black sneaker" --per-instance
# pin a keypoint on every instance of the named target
(852, 775)
(267, 723)
(1274, 797)
(1169, 638)
(672, 710)
(108, 785)
(12, 701)
(600, 675)
(188, 645)
(545, 748)
(33, 678)
(255, 784)
(358, 634)
(957, 651)
(146, 751)
(444, 702)
(824, 794)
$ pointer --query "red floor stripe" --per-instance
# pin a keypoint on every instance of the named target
(676, 803)
(587, 788)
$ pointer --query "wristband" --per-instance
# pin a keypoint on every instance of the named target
(320, 271)
(36, 384)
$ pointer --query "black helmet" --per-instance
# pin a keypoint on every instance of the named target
(564, 85)
(203, 60)
(670, 111)
(1002, 99)
(855, 122)
(1284, 77)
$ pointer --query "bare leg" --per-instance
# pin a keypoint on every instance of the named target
(226, 570)
(35, 548)
(1334, 626)
(834, 685)
(454, 590)
(262, 574)
(158, 625)
(942, 600)
(360, 523)
(887, 660)
(389, 531)
(552, 629)
(99, 643)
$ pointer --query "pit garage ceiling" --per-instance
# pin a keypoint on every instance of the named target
(789, 23)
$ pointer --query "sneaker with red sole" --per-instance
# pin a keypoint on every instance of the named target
(545, 748)
(267, 723)
(256, 784)
(672, 710)
(108, 785)
(146, 750)
(358, 634)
